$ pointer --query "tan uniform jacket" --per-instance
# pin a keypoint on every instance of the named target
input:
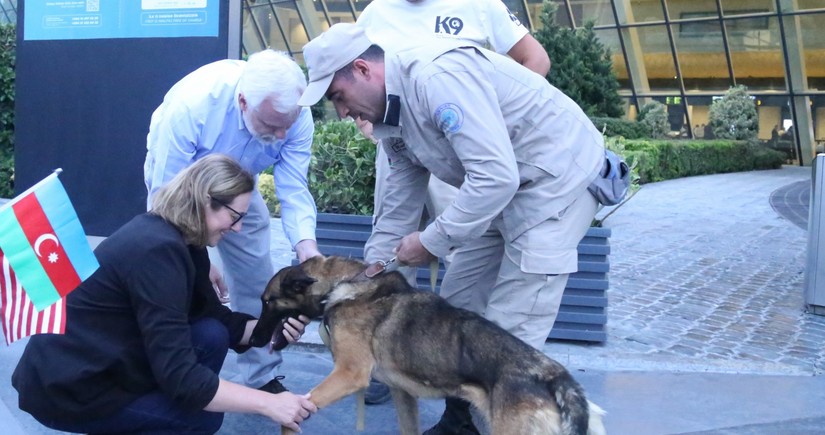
(511, 142)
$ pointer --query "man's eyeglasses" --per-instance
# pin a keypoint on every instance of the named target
(239, 214)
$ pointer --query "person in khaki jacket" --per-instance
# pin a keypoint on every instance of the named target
(521, 153)
(483, 23)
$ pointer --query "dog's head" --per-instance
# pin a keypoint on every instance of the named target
(300, 289)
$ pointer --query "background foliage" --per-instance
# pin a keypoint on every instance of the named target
(657, 160)
(341, 172)
(734, 115)
(581, 65)
(653, 115)
(8, 34)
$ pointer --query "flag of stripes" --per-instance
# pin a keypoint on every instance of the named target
(19, 317)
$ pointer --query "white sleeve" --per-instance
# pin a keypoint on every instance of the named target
(503, 28)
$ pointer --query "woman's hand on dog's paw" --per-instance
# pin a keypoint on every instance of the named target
(292, 409)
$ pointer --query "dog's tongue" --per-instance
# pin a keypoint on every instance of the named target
(278, 340)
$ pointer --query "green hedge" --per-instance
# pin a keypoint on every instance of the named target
(342, 173)
(657, 160)
(621, 127)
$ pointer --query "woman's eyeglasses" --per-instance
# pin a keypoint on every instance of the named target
(239, 214)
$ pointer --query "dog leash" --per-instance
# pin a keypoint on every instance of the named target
(380, 267)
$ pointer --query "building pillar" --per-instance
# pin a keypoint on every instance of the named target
(634, 54)
(798, 76)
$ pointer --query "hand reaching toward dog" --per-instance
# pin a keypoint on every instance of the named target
(292, 332)
(290, 409)
(216, 277)
(411, 252)
(306, 249)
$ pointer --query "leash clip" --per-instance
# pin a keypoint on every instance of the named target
(381, 266)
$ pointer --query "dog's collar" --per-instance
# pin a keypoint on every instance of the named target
(377, 268)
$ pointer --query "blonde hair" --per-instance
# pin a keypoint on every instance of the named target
(210, 181)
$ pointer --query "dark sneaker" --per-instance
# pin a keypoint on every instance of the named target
(456, 420)
(274, 386)
(377, 393)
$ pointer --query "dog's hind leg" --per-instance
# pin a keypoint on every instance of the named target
(406, 406)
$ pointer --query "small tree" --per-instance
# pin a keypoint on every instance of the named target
(8, 35)
(653, 115)
(734, 115)
(582, 67)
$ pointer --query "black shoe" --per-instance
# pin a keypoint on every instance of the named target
(456, 420)
(274, 386)
(377, 393)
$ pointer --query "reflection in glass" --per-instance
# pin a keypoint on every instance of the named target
(654, 56)
(610, 39)
(701, 52)
(562, 17)
(598, 11)
(811, 41)
(252, 38)
(809, 4)
(291, 23)
(738, 7)
(645, 10)
(756, 52)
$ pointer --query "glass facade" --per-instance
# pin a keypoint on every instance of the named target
(684, 53)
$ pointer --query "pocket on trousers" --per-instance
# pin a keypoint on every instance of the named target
(549, 261)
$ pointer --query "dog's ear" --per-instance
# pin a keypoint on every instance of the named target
(297, 281)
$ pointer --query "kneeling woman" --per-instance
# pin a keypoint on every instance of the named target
(146, 334)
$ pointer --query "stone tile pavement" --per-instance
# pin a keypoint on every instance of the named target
(706, 275)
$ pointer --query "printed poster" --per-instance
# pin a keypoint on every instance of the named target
(106, 19)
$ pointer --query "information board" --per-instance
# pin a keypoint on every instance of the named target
(106, 19)
(83, 103)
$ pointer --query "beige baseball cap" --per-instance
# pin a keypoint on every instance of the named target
(329, 52)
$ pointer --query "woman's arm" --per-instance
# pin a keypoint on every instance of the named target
(286, 408)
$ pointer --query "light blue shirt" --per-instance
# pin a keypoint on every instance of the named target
(200, 115)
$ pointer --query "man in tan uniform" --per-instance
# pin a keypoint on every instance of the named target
(521, 153)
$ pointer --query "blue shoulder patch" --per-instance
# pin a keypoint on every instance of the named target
(449, 117)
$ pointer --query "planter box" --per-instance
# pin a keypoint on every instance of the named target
(582, 315)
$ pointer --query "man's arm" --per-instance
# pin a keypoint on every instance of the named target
(290, 177)
(401, 206)
(530, 53)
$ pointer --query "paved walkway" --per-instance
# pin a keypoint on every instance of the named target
(707, 331)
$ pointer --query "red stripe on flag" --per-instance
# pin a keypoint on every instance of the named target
(41, 236)
(19, 317)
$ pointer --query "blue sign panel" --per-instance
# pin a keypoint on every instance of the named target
(104, 19)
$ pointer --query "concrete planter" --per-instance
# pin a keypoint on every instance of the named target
(582, 315)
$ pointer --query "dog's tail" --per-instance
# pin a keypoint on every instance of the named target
(579, 416)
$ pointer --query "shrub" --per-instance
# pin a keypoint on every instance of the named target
(341, 173)
(653, 115)
(621, 127)
(658, 160)
(734, 115)
(8, 37)
(582, 65)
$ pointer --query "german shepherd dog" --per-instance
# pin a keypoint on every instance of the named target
(421, 346)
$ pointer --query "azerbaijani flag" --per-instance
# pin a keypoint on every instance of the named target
(44, 242)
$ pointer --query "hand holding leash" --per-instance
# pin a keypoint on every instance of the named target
(411, 252)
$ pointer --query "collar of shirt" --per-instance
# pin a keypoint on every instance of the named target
(391, 125)
(236, 103)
